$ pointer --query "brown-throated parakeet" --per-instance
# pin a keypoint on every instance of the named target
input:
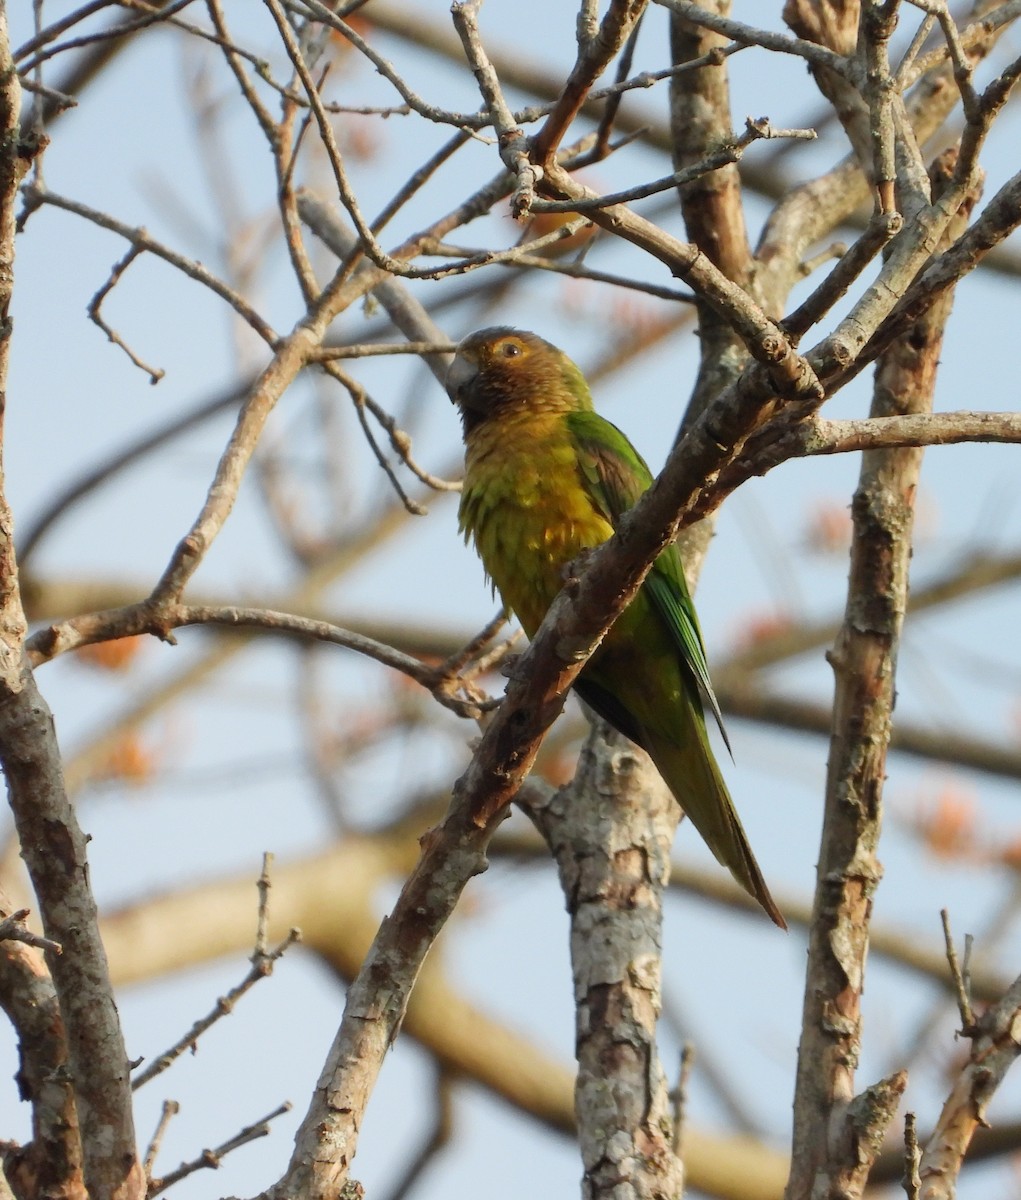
(545, 478)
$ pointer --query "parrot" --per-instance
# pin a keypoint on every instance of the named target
(546, 479)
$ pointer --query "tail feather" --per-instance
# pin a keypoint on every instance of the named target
(691, 773)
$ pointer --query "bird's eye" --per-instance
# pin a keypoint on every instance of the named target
(510, 349)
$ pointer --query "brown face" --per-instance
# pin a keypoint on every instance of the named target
(494, 368)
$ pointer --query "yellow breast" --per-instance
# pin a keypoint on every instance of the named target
(525, 506)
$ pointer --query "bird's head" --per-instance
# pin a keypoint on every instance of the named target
(502, 370)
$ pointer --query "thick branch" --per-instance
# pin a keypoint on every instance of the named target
(610, 832)
(832, 1151)
(51, 841)
(53, 847)
(51, 1164)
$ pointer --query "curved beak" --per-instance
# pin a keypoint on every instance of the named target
(460, 377)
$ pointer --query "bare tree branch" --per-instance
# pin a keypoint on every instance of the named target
(52, 1160)
(832, 1148)
(994, 1048)
(51, 840)
(614, 891)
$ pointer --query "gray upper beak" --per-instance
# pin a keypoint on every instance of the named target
(460, 376)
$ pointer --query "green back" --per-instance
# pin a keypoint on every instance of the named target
(615, 476)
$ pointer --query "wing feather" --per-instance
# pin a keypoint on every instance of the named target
(615, 475)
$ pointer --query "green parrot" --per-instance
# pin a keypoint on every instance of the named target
(546, 478)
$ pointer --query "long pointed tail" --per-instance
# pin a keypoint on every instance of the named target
(692, 774)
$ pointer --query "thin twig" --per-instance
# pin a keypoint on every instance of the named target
(262, 925)
(975, 37)
(755, 130)
(367, 240)
(142, 618)
(213, 1158)
(401, 440)
(359, 397)
(417, 179)
(263, 962)
(961, 988)
(881, 229)
(912, 1156)
(573, 270)
(141, 240)
(613, 104)
(471, 649)
(233, 56)
(224, 1006)
(469, 122)
(155, 373)
(747, 35)
(809, 266)
(877, 90)
(14, 929)
(514, 148)
(381, 350)
(59, 100)
(170, 1110)
(679, 1096)
(112, 33)
(955, 48)
(42, 37)
(907, 62)
(596, 50)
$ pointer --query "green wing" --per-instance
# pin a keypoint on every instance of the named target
(615, 475)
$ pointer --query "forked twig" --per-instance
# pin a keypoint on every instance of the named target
(960, 975)
(155, 373)
(263, 962)
(213, 1158)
